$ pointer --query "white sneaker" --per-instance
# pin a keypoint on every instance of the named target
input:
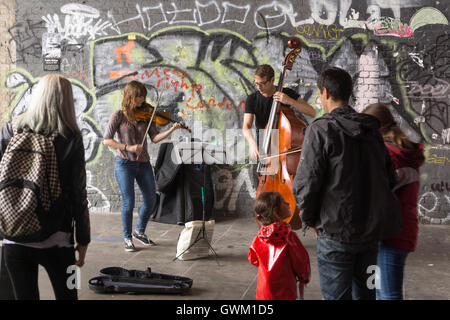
(129, 246)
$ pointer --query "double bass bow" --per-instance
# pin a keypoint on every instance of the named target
(283, 139)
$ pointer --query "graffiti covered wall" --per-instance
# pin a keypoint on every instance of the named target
(202, 54)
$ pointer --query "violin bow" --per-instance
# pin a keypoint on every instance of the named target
(150, 122)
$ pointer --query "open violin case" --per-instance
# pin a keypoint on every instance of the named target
(120, 280)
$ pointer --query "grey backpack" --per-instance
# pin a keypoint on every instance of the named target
(29, 187)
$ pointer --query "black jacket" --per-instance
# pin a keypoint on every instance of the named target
(180, 189)
(344, 179)
(72, 174)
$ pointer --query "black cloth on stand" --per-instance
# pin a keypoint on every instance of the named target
(180, 189)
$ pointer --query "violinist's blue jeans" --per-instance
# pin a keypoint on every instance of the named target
(346, 270)
(126, 173)
(391, 263)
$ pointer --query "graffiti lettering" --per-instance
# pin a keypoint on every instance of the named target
(205, 68)
(438, 89)
(235, 13)
(78, 22)
(27, 43)
(442, 160)
(187, 15)
(204, 12)
(228, 188)
(440, 187)
(320, 31)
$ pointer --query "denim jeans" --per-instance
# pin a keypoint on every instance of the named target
(344, 269)
(127, 172)
(23, 263)
(391, 264)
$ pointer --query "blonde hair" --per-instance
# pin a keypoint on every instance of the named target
(132, 90)
(51, 107)
(390, 130)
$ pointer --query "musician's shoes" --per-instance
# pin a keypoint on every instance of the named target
(143, 239)
(129, 246)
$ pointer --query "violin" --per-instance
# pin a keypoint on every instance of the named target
(162, 118)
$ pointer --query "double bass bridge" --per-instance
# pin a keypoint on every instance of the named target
(267, 167)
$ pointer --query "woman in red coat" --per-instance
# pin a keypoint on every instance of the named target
(281, 259)
(407, 158)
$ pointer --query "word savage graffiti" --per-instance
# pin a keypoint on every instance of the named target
(332, 31)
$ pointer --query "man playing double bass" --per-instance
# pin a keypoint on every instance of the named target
(258, 107)
(259, 103)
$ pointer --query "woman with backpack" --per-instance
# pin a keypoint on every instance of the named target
(50, 118)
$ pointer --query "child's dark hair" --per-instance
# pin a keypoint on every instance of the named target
(265, 204)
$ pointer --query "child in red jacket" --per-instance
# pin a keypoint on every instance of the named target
(407, 158)
(281, 259)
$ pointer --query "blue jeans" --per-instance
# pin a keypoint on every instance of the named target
(391, 264)
(126, 172)
(344, 271)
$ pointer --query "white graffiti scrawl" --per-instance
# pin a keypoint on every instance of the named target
(426, 213)
(79, 21)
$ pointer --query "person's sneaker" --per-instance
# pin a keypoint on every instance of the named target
(143, 239)
(129, 246)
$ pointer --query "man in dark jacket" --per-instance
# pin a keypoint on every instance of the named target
(343, 189)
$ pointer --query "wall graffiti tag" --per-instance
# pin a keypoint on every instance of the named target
(202, 54)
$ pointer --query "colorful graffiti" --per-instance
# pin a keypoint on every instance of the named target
(201, 56)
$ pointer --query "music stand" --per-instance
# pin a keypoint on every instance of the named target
(203, 154)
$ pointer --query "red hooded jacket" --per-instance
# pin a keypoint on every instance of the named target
(407, 163)
(281, 260)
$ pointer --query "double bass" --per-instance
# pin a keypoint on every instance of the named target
(283, 139)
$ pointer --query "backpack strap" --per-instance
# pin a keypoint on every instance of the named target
(52, 136)
(14, 128)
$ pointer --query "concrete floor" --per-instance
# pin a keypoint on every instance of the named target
(427, 270)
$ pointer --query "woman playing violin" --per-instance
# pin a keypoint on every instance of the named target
(133, 161)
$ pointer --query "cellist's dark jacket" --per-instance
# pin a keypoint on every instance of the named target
(344, 179)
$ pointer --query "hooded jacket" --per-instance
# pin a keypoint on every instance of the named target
(281, 260)
(344, 179)
(407, 163)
